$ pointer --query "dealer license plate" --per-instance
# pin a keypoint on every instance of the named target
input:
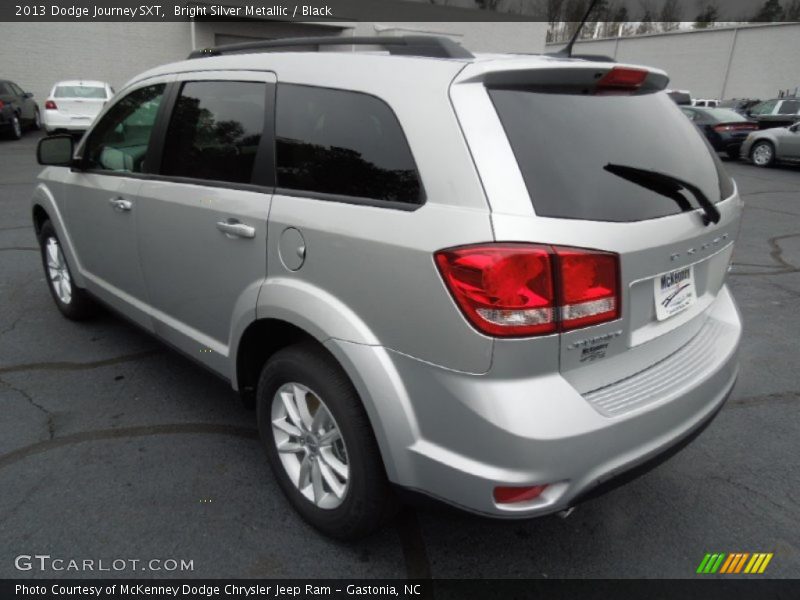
(674, 292)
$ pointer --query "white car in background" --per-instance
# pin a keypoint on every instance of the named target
(73, 105)
(705, 103)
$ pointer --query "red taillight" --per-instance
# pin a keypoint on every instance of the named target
(2, 104)
(589, 287)
(509, 289)
(503, 289)
(622, 79)
(50, 105)
(510, 495)
(735, 127)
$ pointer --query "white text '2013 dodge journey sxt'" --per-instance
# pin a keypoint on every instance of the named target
(495, 280)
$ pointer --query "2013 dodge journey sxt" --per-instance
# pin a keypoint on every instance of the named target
(495, 280)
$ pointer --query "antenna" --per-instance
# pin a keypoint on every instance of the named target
(566, 51)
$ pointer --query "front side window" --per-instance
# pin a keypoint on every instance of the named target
(215, 131)
(120, 140)
(16, 89)
(764, 108)
(344, 144)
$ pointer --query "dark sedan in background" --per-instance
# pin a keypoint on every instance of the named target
(724, 128)
(18, 110)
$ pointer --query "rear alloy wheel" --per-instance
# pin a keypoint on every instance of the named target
(16, 128)
(762, 154)
(73, 302)
(310, 445)
(37, 120)
(320, 443)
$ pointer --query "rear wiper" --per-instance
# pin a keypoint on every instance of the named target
(668, 186)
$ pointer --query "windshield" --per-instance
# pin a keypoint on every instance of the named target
(80, 91)
(562, 142)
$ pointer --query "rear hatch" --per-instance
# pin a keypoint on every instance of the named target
(569, 161)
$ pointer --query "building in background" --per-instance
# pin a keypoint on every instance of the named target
(742, 61)
(36, 55)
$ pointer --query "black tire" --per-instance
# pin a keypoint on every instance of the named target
(79, 305)
(36, 124)
(15, 128)
(767, 148)
(368, 501)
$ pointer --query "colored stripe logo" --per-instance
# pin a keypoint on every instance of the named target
(734, 563)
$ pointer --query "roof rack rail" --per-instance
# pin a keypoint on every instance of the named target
(407, 45)
(594, 57)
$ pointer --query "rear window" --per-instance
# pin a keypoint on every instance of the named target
(724, 115)
(80, 91)
(562, 142)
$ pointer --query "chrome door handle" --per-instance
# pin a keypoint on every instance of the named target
(234, 228)
(120, 204)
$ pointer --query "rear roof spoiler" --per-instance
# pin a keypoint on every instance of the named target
(574, 78)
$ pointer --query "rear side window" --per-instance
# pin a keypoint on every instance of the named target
(562, 142)
(215, 131)
(789, 107)
(343, 144)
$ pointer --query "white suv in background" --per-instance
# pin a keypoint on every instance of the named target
(73, 105)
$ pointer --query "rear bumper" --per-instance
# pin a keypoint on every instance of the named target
(728, 142)
(53, 120)
(456, 436)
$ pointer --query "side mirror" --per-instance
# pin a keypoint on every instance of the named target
(55, 150)
(27, 95)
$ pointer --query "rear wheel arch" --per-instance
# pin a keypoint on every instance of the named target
(259, 341)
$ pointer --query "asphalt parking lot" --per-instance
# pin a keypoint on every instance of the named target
(113, 446)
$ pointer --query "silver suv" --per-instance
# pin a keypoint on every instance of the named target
(495, 280)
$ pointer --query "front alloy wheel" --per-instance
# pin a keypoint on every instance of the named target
(762, 154)
(310, 445)
(73, 302)
(57, 271)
